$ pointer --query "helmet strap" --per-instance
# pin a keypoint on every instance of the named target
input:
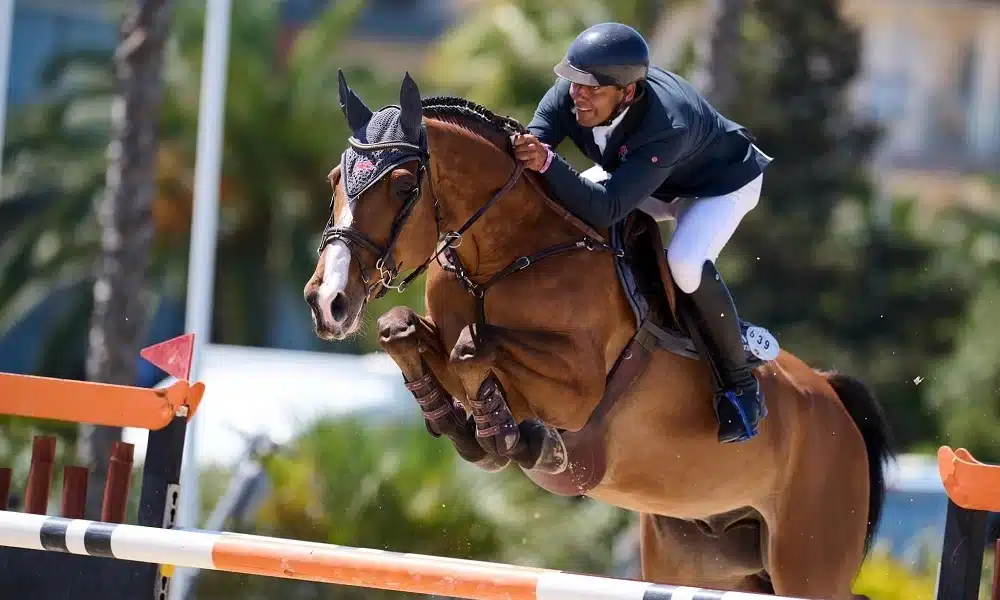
(614, 114)
(622, 104)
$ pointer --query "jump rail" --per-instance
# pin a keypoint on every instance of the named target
(325, 563)
(97, 403)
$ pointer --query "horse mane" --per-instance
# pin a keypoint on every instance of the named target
(496, 129)
(480, 120)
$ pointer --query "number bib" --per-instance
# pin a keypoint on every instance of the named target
(761, 343)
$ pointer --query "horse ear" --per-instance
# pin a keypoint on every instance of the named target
(411, 112)
(356, 112)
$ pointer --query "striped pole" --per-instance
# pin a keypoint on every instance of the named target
(325, 563)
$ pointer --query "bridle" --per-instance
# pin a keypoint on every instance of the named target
(385, 264)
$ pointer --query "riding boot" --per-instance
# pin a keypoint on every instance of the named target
(739, 404)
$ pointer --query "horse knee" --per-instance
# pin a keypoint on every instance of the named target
(398, 335)
(397, 331)
(686, 267)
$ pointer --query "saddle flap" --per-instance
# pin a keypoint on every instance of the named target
(644, 272)
(661, 261)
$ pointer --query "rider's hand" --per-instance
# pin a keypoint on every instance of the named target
(532, 153)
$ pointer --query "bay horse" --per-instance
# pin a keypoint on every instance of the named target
(568, 352)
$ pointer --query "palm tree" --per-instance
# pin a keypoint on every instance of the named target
(126, 222)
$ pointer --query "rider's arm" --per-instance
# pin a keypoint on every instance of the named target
(603, 204)
(547, 124)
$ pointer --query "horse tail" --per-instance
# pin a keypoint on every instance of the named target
(865, 410)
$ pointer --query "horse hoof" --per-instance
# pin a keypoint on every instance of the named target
(491, 463)
(553, 458)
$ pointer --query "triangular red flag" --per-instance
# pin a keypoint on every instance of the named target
(173, 356)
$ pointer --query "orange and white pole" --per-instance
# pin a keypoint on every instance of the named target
(325, 563)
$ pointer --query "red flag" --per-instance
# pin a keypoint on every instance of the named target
(173, 356)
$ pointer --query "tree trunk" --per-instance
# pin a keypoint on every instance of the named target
(719, 51)
(126, 222)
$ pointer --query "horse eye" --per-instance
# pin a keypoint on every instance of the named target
(404, 190)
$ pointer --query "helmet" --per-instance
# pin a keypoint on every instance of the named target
(606, 54)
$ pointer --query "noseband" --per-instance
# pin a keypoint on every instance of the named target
(447, 242)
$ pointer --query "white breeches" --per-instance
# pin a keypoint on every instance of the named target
(704, 226)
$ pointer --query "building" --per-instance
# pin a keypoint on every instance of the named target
(387, 33)
(45, 28)
(931, 73)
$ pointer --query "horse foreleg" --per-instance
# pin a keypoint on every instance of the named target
(413, 344)
(531, 444)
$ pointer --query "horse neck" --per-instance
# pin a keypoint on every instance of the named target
(468, 170)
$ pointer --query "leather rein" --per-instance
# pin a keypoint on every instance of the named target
(385, 264)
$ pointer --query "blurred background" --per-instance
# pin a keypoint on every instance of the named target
(875, 248)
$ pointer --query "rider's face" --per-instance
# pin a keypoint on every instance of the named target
(594, 104)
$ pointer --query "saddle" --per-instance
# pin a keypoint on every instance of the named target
(663, 323)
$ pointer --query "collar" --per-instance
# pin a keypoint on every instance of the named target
(602, 133)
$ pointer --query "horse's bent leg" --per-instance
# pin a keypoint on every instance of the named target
(413, 344)
(681, 553)
(531, 444)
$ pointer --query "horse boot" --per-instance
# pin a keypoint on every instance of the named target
(531, 444)
(443, 415)
(739, 404)
(496, 430)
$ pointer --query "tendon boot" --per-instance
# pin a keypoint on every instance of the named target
(739, 404)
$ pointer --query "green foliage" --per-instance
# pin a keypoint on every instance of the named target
(884, 578)
(963, 385)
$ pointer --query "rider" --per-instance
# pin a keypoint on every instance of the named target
(659, 146)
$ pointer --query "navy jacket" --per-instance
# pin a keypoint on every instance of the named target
(671, 144)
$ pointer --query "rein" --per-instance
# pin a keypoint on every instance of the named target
(448, 242)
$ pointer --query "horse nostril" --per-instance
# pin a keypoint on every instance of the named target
(338, 308)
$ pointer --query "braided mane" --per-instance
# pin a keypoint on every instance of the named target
(497, 130)
(475, 117)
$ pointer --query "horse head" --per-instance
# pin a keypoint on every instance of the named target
(376, 188)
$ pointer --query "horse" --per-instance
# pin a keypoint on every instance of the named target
(567, 351)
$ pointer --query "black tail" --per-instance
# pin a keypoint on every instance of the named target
(867, 413)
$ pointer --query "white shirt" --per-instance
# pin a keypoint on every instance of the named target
(601, 136)
(603, 133)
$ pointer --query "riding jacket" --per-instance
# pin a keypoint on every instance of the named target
(671, 143)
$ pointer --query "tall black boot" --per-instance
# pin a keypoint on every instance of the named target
(739, 404)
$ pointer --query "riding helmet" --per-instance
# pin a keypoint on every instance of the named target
(606, 54)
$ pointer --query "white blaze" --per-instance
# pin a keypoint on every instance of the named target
(335, 269)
